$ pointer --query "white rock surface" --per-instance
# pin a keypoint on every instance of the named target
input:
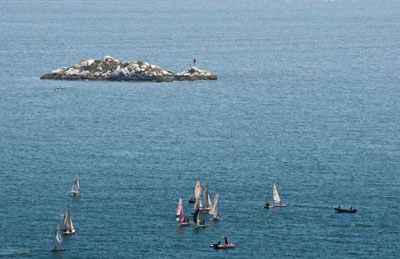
(111, 69)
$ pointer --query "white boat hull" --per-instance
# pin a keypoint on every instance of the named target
(277, 206)
(67, 232)
(222, 246)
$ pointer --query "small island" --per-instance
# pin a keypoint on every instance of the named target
(113, 70)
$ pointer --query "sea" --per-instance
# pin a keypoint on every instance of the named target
(307, 97)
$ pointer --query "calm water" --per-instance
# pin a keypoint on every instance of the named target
(307, 97)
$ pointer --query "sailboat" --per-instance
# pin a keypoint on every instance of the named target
(178, 210)
(60, 246)
(76, 187)
(198, 203)
(200, 223)
(214, 209)
(182, 220)
(197, 192)
(277, 200)
(67, 227)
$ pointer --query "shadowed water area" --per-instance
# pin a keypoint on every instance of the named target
(307, 97)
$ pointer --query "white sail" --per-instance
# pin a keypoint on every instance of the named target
(67, 221)
(197, 190)
(209, 201)
(277, 199)
(76, 185)
(178, 210)
(215, 214)
(213, 208)
(58, 234)
(198, 203)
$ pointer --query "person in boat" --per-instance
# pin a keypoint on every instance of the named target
(194, 62)
(339, 207)
(267, 204)
(226, 240)
(280, 203)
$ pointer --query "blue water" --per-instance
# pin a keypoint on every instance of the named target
(307, 98)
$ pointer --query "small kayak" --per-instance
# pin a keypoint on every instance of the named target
(222, 246)
(338, 210)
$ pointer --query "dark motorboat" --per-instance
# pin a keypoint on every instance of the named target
(192, 200)
(350, 210)
(226, 245)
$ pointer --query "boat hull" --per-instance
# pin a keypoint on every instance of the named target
(337, 210)
(67, 232)
(201, 226)
(185, 224)
(275, 206)
(222, 246)
(217, 218)
(75, 195)
(58, 249)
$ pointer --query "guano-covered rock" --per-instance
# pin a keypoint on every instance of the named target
(111, 69)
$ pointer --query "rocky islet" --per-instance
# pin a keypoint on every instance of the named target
(113, 70)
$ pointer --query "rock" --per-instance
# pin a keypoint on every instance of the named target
(194, 74)
(111, 69)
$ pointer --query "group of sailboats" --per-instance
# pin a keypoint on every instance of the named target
(203, 206)
(67, 227)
